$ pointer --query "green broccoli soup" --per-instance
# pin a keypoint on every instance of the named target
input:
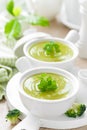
(47, 86)
(50, 51)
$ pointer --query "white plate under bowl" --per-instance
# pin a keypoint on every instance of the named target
(62, 122)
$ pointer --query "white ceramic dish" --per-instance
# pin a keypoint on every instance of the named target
(64, 19)
(42, 8)
(62, 122)
(82, 43)
(65, 64)
(71, 25)
(48, 109)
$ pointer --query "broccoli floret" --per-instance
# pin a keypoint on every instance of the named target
(71, 113)
(80, 109)
(76, 110)
(13, 116)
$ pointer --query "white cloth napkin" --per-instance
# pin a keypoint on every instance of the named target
(7, 56)
(7, 65)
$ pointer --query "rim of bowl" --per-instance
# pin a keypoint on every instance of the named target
(65, 73)
(68, 43)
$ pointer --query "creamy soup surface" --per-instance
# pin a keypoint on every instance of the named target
(64, 87)
(36, 51)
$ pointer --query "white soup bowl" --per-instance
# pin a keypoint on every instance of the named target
(45, 108)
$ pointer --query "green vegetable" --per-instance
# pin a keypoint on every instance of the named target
(2, 91)
(16, 11)
(47, 83)
(76, 110)
(13, 29)
(13, 116)
(51, 48)
(10, 6)
(37, 20)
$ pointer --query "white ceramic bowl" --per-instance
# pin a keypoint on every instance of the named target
(65, 64)
(48, 108)
(48, 8)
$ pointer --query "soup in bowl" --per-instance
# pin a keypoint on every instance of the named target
(52, 52)
(47, 92)
(48, 52)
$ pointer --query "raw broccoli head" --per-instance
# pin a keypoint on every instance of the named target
(13, 116)
(76, 110)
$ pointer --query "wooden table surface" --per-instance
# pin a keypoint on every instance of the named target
(55, 29)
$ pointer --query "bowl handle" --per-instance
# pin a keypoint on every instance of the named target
(29, 123)
(23, 64)
(72, 36)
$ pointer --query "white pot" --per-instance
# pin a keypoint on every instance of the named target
(82, 43)
(72, 10)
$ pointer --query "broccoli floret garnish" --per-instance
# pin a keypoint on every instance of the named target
(13, 116)
(81, 109)
(76, 110)
(71, 113)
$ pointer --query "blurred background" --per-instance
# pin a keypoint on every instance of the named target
(66, 10)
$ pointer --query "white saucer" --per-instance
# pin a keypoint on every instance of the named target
(62, 122)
